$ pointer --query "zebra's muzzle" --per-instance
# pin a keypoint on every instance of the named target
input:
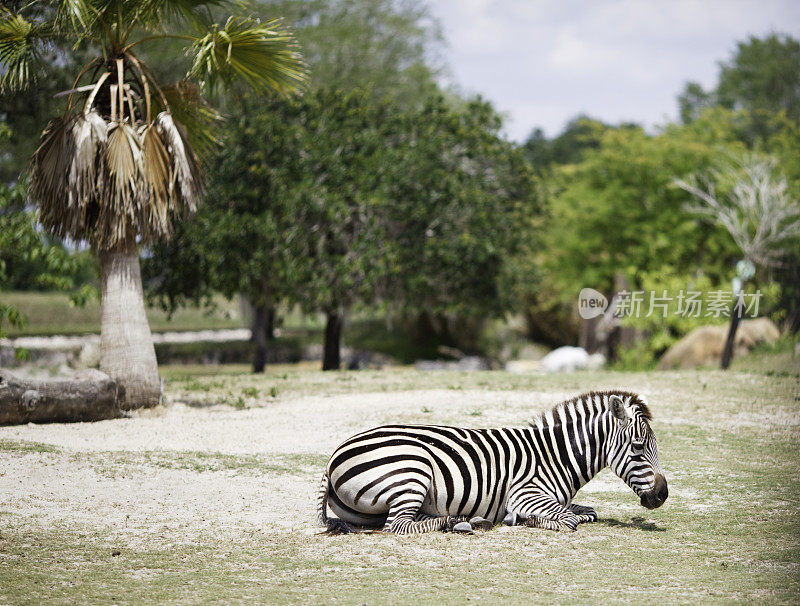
(652, 499)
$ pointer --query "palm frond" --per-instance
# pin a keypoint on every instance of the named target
(264, 55)
(49, 174)
(188, 108)
(156, 14)
(79, 13)
(20, 42)
(158, 178)
(87, 174)
(184, 164)
(123, 159)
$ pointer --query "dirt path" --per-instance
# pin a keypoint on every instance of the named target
(186, 468)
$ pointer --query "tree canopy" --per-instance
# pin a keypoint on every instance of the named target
(333, 200)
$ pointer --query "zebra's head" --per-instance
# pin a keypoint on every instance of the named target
(632, 449)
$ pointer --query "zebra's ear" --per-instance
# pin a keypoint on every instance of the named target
(617, 407)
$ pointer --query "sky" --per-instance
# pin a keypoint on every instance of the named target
(542, 62)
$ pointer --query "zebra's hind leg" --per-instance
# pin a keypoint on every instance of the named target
(447, 523)
(405, 517)
(584, 513)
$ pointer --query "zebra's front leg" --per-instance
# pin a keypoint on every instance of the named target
(564, 522)
(584, 512)
(534, 508)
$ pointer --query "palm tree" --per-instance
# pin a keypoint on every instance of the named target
(121, 163)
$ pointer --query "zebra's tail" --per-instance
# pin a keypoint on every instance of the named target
(332, 525)
(322, 500)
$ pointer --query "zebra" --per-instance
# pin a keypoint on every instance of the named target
(410, 479)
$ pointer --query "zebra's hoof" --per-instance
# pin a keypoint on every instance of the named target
(511, 519)
(481, 524)
(463, 527)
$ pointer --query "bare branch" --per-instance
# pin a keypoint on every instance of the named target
(757, 212)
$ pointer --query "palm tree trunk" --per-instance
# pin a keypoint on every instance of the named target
(126, 345)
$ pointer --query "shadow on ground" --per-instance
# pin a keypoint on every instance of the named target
(636, 522)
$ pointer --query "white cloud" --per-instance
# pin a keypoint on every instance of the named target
(578, 55)
(542, 62)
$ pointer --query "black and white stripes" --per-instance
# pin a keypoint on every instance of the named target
(417, 478)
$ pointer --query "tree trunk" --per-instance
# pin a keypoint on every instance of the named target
(736, 316)
(126, 345)
(263, 332)
(331, 357)
(89, 396)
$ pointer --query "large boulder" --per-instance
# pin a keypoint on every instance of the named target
(703, 346)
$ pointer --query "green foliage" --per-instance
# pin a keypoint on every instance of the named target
(386, 47)
(616, 212)
(288, 211)
(682, 303)
(31, 261)
(332, 201)
(463, 204)
(764, 74)
(580, 134)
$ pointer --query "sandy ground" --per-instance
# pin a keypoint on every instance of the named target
(122, 473)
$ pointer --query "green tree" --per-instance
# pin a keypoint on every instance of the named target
(693, 100)
(763, 74)
(334, 201)
(291, 214)
(580, 134)
(388, 47)
(616, 215)
(462, 202)
(119, 164)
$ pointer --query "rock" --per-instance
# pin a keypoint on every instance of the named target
(566, 359)
(89, 356)
(703, 346)
(596, 361)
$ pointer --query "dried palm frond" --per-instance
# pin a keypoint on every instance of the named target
(123, 193)
(89, 136)
(158, 178)
(187, 107)
(184, 163)
(49, 173)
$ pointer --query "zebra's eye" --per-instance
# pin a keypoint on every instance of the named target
(638, 445)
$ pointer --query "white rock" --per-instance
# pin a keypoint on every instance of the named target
(596, 361)
(566, 359)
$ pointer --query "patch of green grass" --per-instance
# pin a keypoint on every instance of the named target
(51, 313)
(250, 392)
(23, 446)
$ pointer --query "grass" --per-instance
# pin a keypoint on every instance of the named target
(50, 313)
(729, 533)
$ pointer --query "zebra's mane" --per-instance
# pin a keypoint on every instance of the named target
(552, 417)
